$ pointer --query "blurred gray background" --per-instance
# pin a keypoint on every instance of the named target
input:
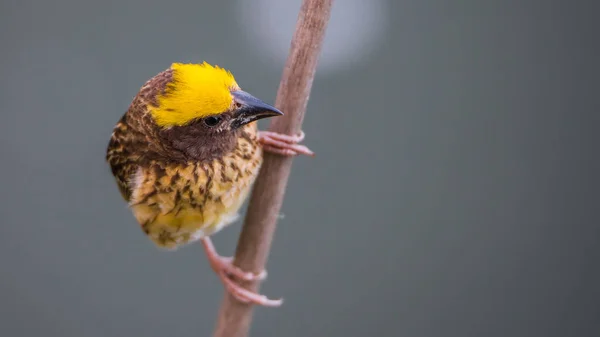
(454, 192)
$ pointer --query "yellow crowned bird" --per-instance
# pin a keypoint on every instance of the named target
(185, 155)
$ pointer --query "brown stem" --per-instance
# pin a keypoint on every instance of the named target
(267, 195)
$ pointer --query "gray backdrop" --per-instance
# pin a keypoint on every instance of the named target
(454, 192)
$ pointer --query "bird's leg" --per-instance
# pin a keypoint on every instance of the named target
(225, 269)
(224, 264)
(284, 145)
(246, 296)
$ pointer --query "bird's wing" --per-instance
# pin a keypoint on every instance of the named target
(122, 161)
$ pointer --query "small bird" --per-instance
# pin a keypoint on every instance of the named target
(185, 155)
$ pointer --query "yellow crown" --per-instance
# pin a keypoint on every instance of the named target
(196, 91)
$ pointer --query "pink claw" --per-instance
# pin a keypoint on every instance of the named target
(284, 145)
(246, 296)
(225, 269)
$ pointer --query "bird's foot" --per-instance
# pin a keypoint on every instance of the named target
(284, 145)
(246, 296)
(226, 271)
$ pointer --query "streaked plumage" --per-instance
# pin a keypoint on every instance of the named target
(185, 155)
(175, 198)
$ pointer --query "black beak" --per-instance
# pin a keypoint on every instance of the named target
(252, 109)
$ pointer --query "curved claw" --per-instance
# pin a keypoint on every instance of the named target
(284, 145)
(224, 268)
(246, 296)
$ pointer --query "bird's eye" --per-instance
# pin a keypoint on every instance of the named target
(212, 120)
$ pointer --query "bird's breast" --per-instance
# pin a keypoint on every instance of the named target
(179, 203)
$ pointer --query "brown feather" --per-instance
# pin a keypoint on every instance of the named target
(181, 182)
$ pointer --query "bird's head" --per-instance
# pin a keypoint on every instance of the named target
(201, 93)
(201, 110)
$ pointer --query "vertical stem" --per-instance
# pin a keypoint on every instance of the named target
(267, 196)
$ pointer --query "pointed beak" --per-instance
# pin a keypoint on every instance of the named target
(252, 109)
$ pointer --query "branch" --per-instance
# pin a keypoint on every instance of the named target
(267, 195)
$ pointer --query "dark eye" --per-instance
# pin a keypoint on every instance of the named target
(212, 120)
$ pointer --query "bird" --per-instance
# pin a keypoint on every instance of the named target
(185, 155)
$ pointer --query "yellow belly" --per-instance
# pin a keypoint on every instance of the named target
(179, 204)
(184, 223)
